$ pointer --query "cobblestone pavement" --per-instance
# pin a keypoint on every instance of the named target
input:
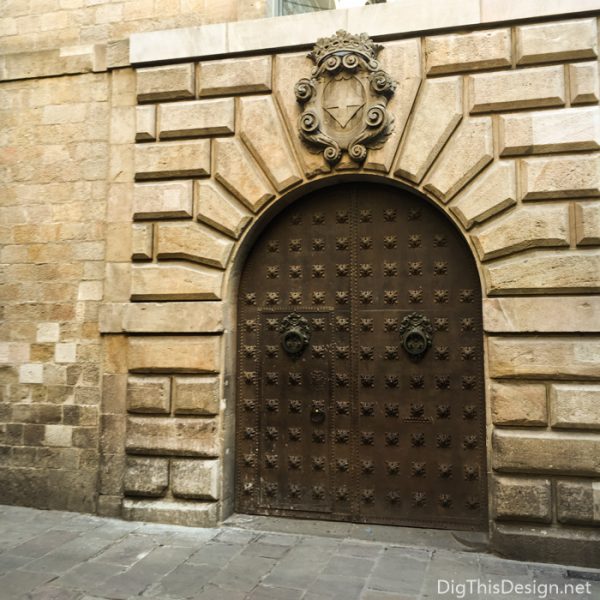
(51, 555)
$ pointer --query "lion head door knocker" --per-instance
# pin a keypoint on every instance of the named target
(344, 103)
(295, 334)
(415, 333)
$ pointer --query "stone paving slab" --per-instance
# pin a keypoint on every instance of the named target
(51, 555)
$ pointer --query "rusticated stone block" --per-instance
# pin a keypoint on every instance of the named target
(524, 228)
(216, 208)
(550, 131)
(264, 135)
(174, 354)
(578, 502)
(575, 406)
(560, 177)
(172, 159)
(587, 224)
(149, 395)
(141, 241)
(492, 192)
(547, 356)
(234, 76)
(544, 273)
(468, 151)
(583, 82)
(520, 404)
(526, 88)
(165, 200)
(437, 113)
(166, 436)
(545, 314)
(546, 452)
(146, 476)
(235, 170)
(197, 118)
(196, 395)
(195, 478)
(173, 317)
(189, 513)
(468, 51)
(145, 123)
(192, 241)
(175, 282)
(523, 499)
(563, 40)
(175, 82)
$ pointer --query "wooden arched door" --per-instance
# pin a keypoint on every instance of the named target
(360, 388)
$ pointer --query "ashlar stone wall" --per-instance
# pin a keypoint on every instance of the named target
(498, 127)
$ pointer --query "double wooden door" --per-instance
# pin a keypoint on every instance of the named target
(360, 381)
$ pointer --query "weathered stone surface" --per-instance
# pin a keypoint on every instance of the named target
(234, 76)
(578, 502)
(216, 208)
(175, 282)
(546, 452)
(174, 82)
(236, 171)
(539, 357)
(165, 200)
(583, 82)
(562, 40)
(403, 59)
(146, 476)
(545, 314)
(196, 395)
(436, 114)
(141, 241)
(545, 272)
(167, 436)
(468, 51)
(469, 150)
(188, 513)
(521, 229)
(575, 406)
(520, 404)
(174, 354)
(560, 177)
(523, 499)
(149, 395)
(549, 131)
(265, 137)
(192, 241)
(172, 159)
(196, 118)
(587, 224)
(288, 69)
(492, 192)
(176, 317)
(195, 478)
(145, 123)
(508, 90)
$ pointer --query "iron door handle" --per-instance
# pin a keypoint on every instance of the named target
(317, 415)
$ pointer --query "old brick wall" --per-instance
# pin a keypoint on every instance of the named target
(54, 158)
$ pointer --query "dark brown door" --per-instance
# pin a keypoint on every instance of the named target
(360, 391)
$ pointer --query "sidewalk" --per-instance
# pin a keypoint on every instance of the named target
(50, 555)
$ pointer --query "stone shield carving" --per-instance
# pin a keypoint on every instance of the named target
(344, 103)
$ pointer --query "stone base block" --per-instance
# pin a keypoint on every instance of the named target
(192, 514)
(576, 547)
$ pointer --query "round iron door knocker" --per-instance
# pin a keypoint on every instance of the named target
(295, 334)
(415, 333)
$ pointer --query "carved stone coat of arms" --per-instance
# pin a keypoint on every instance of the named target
(344, 102)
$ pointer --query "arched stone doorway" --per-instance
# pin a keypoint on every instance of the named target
(360, 365)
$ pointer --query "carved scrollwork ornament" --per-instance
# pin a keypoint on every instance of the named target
(344, 102)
